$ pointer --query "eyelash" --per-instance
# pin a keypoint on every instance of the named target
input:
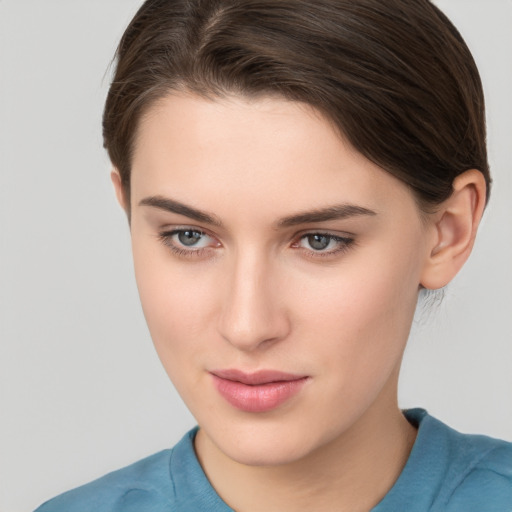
(166, 238)
(344, 243)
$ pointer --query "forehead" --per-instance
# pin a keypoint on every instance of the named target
(258, 154)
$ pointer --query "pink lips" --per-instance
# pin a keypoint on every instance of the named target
(257, 392)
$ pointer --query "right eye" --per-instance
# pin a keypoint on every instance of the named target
(190, 238)
(188, 241)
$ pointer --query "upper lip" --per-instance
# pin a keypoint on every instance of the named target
(256, 378)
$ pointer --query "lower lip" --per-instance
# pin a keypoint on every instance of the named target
(258, 398)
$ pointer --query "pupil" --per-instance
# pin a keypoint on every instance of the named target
(189, 237)
(318, 242)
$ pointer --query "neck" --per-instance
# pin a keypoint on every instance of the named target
(354, 472)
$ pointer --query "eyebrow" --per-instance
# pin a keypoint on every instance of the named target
(170, 205)
(336, 212)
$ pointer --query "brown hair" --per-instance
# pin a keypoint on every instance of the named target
(395, 76)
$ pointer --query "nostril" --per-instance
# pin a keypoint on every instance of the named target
(254, 329)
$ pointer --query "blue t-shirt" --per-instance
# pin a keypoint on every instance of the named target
(446, 472)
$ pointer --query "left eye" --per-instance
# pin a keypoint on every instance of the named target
(319, 242)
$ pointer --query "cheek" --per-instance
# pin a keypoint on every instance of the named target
(351, 319)
(384, 298)
(177, 308)
(361, 320)
(176, 301)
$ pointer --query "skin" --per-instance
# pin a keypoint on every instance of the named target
(255, 294)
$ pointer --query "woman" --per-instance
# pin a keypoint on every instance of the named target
(294, 174)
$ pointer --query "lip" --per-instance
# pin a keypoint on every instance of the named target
(261, 391)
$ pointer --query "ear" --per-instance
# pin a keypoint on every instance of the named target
(119, 189)
(454, 229)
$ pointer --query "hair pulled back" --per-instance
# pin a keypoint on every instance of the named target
(395, 77)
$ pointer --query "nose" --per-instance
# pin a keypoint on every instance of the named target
(253, 313)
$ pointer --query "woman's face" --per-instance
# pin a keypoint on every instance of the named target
(278, 271)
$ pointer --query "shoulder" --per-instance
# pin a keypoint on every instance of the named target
(485, 479)
(144, 485)
(475, 471)
(170, 480)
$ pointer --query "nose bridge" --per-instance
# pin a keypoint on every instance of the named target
(252, 312)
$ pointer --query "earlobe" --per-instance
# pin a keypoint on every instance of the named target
(455, 227)
(118, 188)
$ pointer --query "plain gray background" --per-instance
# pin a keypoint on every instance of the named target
(81, 389)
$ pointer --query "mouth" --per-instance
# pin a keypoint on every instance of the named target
(261, 391)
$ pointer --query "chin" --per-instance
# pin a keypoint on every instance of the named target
(267, 444)
(265, 454)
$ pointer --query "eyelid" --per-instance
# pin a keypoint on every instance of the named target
(325, 231)
(179, 228)
(345, 241)
(166, 238)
